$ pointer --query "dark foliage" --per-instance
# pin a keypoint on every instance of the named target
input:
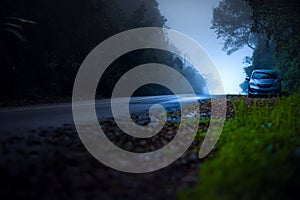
(41, 51)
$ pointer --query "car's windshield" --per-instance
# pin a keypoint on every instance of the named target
(264, 75)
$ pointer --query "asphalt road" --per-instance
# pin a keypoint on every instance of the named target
(26, 118)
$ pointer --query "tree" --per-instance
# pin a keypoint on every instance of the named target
(232, 22)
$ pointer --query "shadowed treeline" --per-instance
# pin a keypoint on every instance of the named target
(43, 43)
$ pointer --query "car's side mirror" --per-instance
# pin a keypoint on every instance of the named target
(247, 78)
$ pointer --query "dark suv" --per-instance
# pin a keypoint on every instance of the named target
(264, 82)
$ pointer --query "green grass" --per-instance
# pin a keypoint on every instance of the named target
(257, 156)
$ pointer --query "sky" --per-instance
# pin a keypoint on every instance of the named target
(193, 18)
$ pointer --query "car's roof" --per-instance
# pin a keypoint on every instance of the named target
(264, 70)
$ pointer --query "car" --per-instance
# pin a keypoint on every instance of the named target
(264, 82)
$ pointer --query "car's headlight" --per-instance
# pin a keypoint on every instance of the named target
(252, 83)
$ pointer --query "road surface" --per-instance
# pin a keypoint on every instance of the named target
(26, 118)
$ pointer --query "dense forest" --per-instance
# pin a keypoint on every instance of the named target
(43, 43)
(269, 27)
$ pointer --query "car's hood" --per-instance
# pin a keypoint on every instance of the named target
(264, 81)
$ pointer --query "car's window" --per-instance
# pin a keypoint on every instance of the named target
(264, 75)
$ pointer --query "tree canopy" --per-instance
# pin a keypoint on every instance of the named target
(43, 43)
(232, 22)
(42, 58)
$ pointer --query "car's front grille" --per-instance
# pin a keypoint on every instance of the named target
(264, 85)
